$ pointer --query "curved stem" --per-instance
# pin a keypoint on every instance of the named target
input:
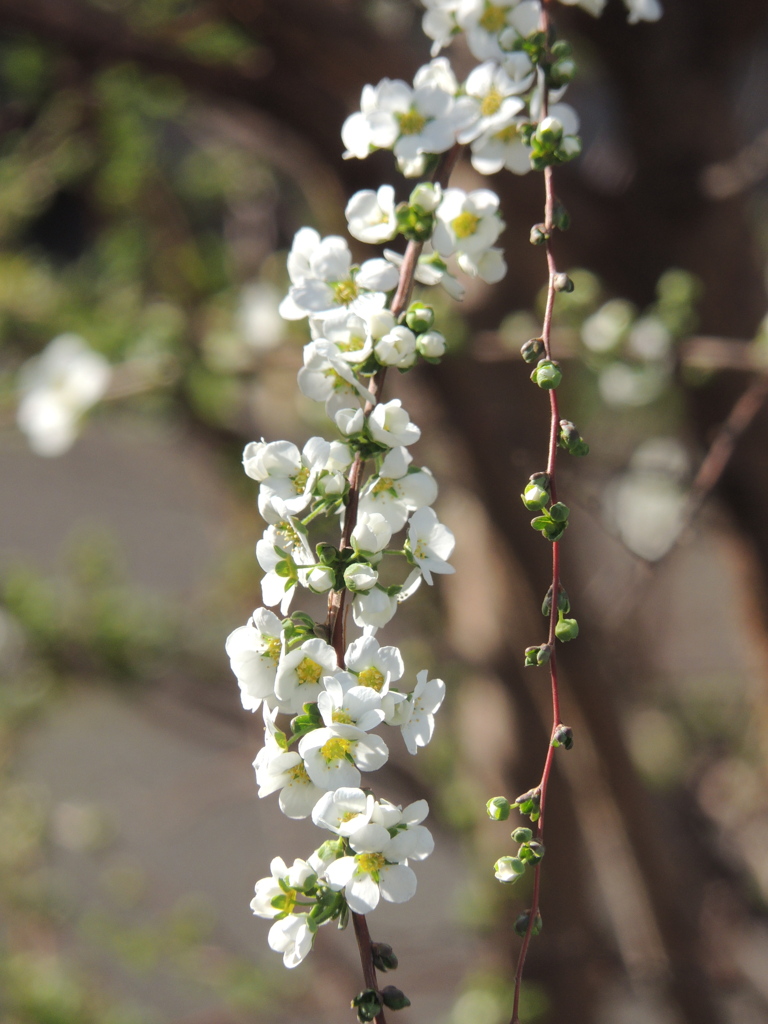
(554, 426)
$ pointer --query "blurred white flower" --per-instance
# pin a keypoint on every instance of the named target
(259, 320)
(55, 389)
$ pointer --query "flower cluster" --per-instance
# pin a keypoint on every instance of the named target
(325, 700)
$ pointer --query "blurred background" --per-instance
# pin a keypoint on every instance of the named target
(156, 157)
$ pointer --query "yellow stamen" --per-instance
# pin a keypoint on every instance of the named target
(309, 671)
(508, 134)
(491, 103)
(371, 677)
(274, 648)
(299, 773)
(382, 484)
(494, 17)
(411, 123)
(345, 291)
(300, 480)
(336, 749)
(342, 718)
(371, 864)
(465, 224)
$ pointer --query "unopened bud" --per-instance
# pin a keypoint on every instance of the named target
(431, 345)
(547, 374)
(559, 512)
(562, 283)
(420, 317)
(522, 922)
(532, 852)
(384, 958)
(549, 131)
(522, 835)
(563, 603)
(563, 737)
(560, 217)
(562, 72)
(535, 656)
(393, 998)
(367, 1004)
(567, 629)
(532, 350)
(539, 234)
(509, 869)
(535, 496)
(498, 808)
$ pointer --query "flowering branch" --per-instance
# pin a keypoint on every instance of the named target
(363, 321)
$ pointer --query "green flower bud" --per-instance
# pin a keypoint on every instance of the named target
(521, 924)
(560, 216)
(562, 72)
(367, 1004)
(509, 869)
(549, 132)
(567, 629)
(539, 234)
(559, 512)
(536, 495)
(563, 604)
(535, 656)
(532, 852)
(529, 803)
(393, 998)
(563, 737)
(580, 448)
(561, 48)
(562, 283)
(419, 317)
(522, 835)
(532, 350)
(547, 374)
(384, 958)
(498, 808)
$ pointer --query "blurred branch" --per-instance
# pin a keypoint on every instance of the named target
(100, 38)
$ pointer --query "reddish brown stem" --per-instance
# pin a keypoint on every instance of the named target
(337, 600)
(554, 427)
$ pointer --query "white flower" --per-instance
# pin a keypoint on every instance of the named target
(424, 702)
(431, 543)
(374, 608)
(267, 889)
(258, 316)
(343, 811)
(281, 537)
(413, 122)
(345, 704)
(286, 472)
(431, 270)
(349, 332)
(299, 678)
(439, 22)
(350, 421)
(493, 28)
(56, 388)
(372, 533)
(467, 222)
(278, 769)
(327, 377)
(643, 10)
(375, 667)
(427, 195)
(489, 265)
(419, 844)
(391, 425)
(371, 215)
(397, 490)
(325, 755)
(254, 651)
(501, 145)
(320, 579)
(360, 577)
(398, 348)
(375, 870)
(324, 278)
(292, 937)
(494, 93)
(431, 344)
